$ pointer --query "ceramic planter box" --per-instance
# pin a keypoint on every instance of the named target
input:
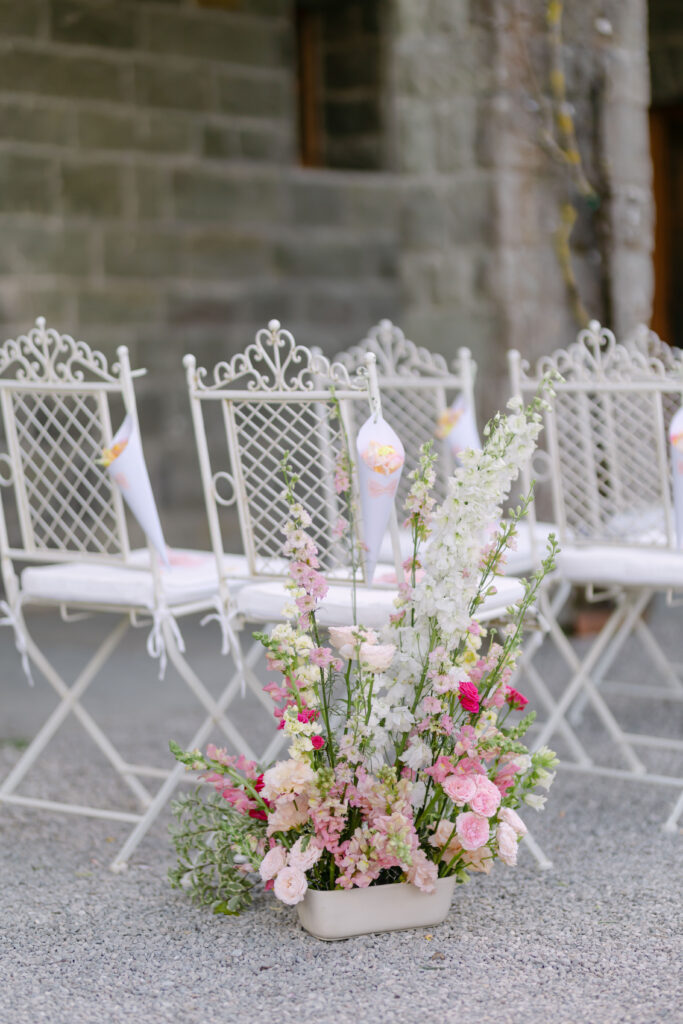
(381, 908)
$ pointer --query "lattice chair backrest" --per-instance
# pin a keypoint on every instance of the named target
(607, 438)
(417, 386)
(277, 399)
(55, 396)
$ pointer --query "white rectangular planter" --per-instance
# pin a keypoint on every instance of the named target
(341, 913)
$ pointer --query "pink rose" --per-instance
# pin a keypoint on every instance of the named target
(468, 695)
(512, 819)
(377, 657)
(472, 829)
(317, 742)
(303, 859)
(460, 788)
(507, 843)
(486, 800)
(290, 885)
(272, 863)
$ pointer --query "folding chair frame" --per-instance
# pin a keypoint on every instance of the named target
(590, 495)
(55, 401)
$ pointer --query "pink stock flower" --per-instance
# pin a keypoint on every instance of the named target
(322, 657)
(507, 843)
(486, 799)
(307, 715)
(339, 528)
(468, 695)
(290, 885)
(272, 863)
(432, 705)
(472, 829)
(423, 872)
(511, 818)
(440, 769)
(461, 789)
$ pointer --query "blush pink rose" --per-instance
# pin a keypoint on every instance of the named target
(290, 885)
(377, 657)
(507, 843)
(460, 788)
(512, 819)
(272, 863)
(486, 800)
(303, 859)
(472, 829)
(347, 638)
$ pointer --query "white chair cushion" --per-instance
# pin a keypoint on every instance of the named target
(192, 577)
(263, 602)
(607, 566)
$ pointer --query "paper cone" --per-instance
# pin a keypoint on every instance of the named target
(129, 472)
(380, 463)
(458, 427)
(676, 442)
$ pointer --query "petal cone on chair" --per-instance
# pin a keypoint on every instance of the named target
(380, 462)
(458, 427)
(128, 470)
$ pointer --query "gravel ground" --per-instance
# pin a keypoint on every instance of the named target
(597, 940)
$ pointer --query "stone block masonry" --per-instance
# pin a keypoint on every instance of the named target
(150, 195)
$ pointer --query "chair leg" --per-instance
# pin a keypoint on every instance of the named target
(70, 703)
(215, 709)
(120, 862)
(633, 616)
(544, 863)
(582, 680)
(671, 823)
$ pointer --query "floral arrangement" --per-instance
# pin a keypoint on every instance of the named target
(405, 760)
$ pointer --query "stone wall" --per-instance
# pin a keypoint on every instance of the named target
(150, 195)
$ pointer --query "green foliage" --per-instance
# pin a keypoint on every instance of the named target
(214, 844)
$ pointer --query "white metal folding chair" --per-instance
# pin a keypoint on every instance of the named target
(279, 398)
(606, 433)
(62, 517)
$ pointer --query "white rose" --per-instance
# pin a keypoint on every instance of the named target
(290, 885)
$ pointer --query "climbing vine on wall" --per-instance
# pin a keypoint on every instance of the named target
(564, 146)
